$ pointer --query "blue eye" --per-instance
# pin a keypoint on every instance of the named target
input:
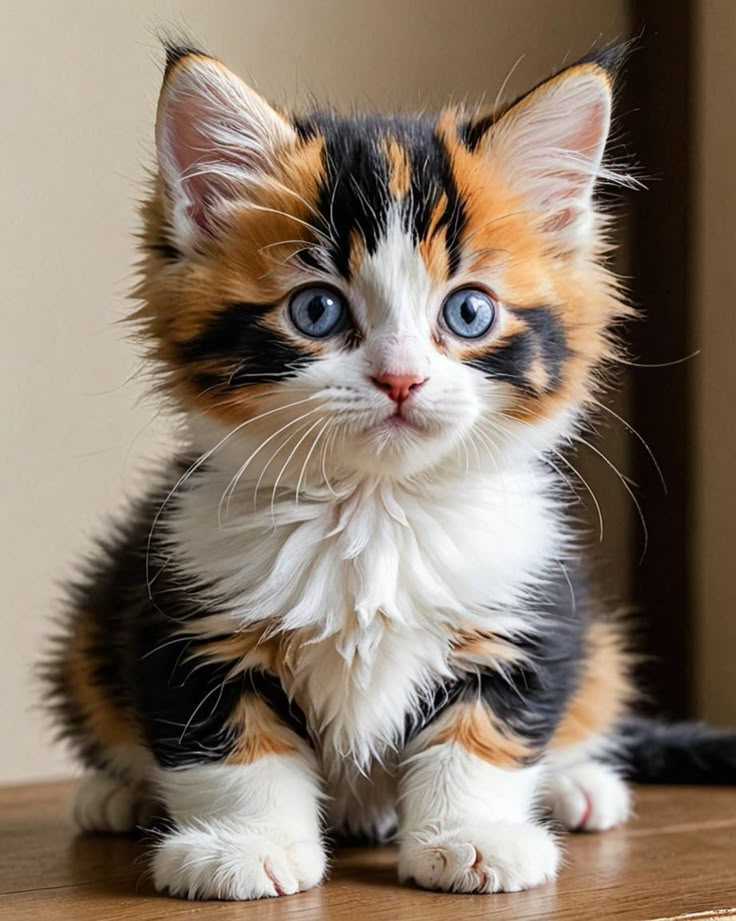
(469, 312)
(318, 312)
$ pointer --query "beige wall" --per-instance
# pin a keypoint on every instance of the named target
(715, 322)
(78, 84)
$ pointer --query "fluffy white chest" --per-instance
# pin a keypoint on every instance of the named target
(375, 584)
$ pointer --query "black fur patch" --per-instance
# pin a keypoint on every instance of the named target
(184, 701)
(543, 341)
(354, 195)
(144, 664)
(473, 131)
(530, 697)
(610, 58)
(177, 51)
(677, 753)
(252, 353)
(165, 250)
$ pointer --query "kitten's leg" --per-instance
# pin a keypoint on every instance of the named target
(247, 827)
(467, 808)
(585, 794)
(103, 802)
(584, 791)
(84, 695)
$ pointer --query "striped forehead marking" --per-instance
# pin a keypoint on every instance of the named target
(399, 168)
(369, 165)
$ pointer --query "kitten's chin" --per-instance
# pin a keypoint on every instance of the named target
(396, 450)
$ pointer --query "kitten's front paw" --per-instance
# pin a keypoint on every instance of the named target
(501, 857)
(214, 860)
(588, 797)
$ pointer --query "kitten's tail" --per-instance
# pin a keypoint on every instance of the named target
(655, 752)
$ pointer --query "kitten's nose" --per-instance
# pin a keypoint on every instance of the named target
(399, 386)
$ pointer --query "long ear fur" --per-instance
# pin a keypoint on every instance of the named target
(215, 136)
(550, 145)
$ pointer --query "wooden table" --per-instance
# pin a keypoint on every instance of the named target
(676, 860)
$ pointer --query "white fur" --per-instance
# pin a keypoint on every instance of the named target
(220, 860)
(104, 803)
(242, 831)
(378, 580)
(498, 857)
(587, 796)
(467, 826)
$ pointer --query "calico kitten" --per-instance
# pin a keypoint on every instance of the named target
(354, 602)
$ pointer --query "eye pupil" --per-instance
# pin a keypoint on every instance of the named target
(468, 312)
(316, 308)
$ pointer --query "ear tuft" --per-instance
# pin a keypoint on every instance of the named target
(176, 51)
(610, 58)
(215, 137)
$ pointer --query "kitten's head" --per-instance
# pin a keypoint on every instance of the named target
(406, 291)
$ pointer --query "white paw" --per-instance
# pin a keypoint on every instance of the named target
(501, 857)
(588, 797)
(104, 803)
(216, 860)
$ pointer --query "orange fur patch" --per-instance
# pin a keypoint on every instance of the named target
(252, 262)
(255, 728)
(538, 376)
(433, 247)
(246, 650)
(252, 649)
(605, 691)
(504, 240)
(399, 168)
(474, 727)
(477, 648)
(106, 722)
(357, 252)
(258, 732)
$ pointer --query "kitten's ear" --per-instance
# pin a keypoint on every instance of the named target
(215, 136)
(550, 145)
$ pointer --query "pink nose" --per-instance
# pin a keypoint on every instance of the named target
(399, 386)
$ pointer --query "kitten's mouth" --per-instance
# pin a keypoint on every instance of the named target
(398, 421)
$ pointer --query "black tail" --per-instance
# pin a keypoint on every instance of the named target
(677, 753)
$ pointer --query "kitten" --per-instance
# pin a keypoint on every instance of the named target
(355, 602)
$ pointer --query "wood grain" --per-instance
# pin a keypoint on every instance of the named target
(676, 860)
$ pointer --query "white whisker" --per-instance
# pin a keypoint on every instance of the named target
(624, 482)
(630, 428)
(303, 471)
(273, 457)
(288, 461)
(233, 484)
(203, 458)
